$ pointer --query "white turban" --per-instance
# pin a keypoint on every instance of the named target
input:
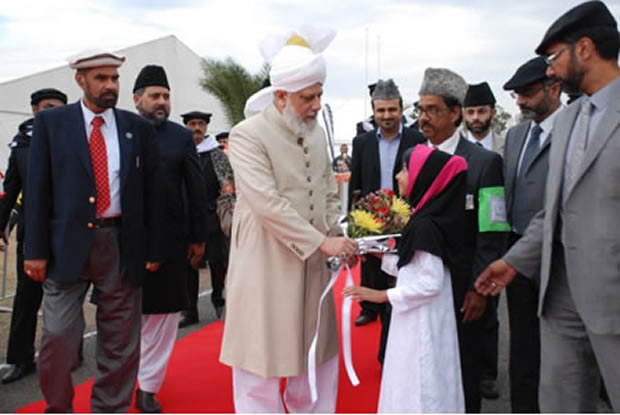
(296, 63)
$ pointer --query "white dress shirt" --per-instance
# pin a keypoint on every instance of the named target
(448, 146)
(487, 141)
(545, 126)
(110, 136)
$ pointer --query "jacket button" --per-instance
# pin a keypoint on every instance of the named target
(311, 207)
(311, 221)
(307, 164)
(91, 225)
(310, 193)
(91, 200)
(305, 150)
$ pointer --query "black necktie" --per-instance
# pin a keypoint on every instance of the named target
(532, 148)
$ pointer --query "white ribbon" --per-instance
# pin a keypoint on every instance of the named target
(346, 336)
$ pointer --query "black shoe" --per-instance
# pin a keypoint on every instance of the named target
(488, 389)
(219, 311)
(188, 319)
(364, 319)
(146, 402)
(18, 371)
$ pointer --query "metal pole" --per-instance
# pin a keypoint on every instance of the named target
(366, 70)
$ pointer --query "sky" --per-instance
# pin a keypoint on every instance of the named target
(482, 40)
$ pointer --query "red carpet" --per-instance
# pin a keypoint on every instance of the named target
(197, 383)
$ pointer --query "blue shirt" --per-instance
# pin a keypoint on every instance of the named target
(387, 157)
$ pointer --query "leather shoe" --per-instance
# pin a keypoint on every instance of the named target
(364, 319)
(146, 402)
(18, 371)
(488, 389)
(188, 319)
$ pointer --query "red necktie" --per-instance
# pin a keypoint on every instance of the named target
(99, 159)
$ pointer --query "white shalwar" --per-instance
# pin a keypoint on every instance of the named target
(157, 337)
(422, 370)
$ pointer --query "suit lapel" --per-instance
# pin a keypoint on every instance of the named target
(600, 136)
(512, 159)
(561, 131)
(79, 141)
(126, 138)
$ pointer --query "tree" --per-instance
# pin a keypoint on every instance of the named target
(232, 84)
(500, 122)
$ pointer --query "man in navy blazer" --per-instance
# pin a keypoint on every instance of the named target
(93, 218)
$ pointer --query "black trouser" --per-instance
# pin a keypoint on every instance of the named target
(26, 305)
(524, 367)
(490, 339)
(470, 350)
(218, 270)
(373, 277)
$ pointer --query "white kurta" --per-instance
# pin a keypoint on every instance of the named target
(422, 370)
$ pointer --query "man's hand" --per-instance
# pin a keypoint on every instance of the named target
(152, 266)
(4, 241)
(337, 246)
(495, 277)
(473, 306)
(365, 294)
(36, 269)
(195, 253)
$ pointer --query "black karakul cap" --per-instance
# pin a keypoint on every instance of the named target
(223, 134)
(47, 93)
(534, 70)
(479, 94)
(196, 114)
(151, 75)
(587, 15)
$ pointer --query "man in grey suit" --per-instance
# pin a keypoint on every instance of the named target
(574, 242)
(526, 162)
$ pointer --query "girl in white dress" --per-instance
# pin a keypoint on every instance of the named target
(422, 371)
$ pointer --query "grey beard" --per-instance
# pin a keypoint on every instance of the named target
(298, 126)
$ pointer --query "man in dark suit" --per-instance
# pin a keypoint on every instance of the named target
(28, 294)
(574, 241)
(440, 113)
(526, 161)
(164, 294)
(376, 160)
(94, 217)
(220, 185)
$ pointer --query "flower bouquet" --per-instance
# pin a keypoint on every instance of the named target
(375, 223)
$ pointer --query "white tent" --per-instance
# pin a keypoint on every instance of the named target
(183, 67)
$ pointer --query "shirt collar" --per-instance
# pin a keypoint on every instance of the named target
(487, 141)
(400, 132)
(603, 97)
(449, 145)
(107, 115)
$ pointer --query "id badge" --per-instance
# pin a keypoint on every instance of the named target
(469, 202)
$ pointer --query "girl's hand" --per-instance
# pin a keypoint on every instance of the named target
(359, 293)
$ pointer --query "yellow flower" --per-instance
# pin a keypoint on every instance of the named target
(365, 220)
(401, 208)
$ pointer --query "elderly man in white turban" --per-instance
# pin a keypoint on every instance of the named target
(287, 205)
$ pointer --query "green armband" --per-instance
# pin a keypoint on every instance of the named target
(492, 210)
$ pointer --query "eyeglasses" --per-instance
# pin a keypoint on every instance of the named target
(526, 93)
(431, 111)
(551, 58)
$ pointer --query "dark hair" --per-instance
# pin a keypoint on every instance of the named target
(605, 39)
(451, 103)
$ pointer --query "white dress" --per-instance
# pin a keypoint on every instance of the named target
(422, 371)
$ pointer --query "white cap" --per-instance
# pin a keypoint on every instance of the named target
(296, 63)
(94, 58)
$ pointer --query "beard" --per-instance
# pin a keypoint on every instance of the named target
(543, 108)
(575, 74)
(296, 124)
(479, 128)
(153, 116)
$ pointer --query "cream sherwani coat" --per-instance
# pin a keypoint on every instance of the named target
(286, 203)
